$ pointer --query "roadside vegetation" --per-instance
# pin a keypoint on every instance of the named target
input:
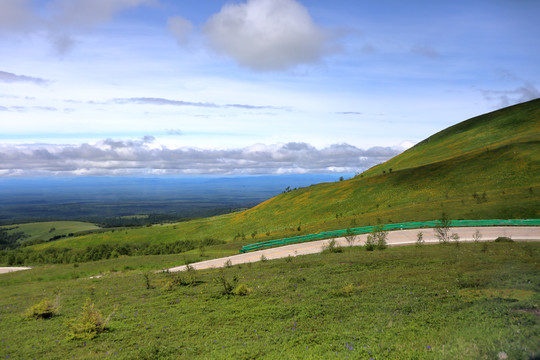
(477, 300)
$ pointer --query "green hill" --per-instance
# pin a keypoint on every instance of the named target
(515, 124)
(46, 231)
(484, 167)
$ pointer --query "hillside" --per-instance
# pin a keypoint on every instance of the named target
(43, 231)
(485, 167)
(515, 124)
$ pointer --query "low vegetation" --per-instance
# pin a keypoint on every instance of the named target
(441, 302)
(54, 255)
(45, 309)
(88, 324)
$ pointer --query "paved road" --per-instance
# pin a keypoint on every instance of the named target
(395, 238)
(4, 270)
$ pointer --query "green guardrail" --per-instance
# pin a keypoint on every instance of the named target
(398, 226)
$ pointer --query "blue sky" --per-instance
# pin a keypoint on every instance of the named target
(120, 87)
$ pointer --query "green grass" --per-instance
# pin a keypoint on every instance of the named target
(515, 124)
(395, 303)
(482, 168)
(43, 231)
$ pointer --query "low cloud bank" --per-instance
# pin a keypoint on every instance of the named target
(145, 157)
(13, 78)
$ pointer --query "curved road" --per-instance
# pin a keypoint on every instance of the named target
(4, 270)
(395, 238)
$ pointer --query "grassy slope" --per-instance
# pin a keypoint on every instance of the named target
(394, 304)
(497, 153)
(42, 231)
(514, 124)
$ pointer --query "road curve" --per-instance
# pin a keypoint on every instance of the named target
(395, 238)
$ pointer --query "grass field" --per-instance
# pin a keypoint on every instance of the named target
(477, 169)
(394, 304)
(43, 231)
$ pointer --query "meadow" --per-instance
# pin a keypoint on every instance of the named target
(390, 304)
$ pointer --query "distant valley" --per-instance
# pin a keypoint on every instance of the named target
(98, 198)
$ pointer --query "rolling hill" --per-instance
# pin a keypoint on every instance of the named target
(484, 167)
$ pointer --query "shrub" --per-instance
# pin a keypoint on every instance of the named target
(348, 290)
(419, 239)
(180, 279)
(332, 247)
(146, 276)
(228, 286)
(241, 290)
(89, 323)
(45, 309)
(381, 237)
(477, 236)
(455, 237)
(370, 243)
(377, 239)
(504, 239)
(442, 230)
(350, 237)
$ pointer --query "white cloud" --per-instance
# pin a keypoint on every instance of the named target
(145, 156)
(268, 34)
(504, 98)
(180, 28)
(16, 15)
(60, 20)
(162, 101)
(89, 13)
(11, 78)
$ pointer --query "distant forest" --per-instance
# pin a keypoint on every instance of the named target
(109, 201)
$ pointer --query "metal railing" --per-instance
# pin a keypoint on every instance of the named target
(398, 226)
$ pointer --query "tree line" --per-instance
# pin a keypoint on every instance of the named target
(27, 256)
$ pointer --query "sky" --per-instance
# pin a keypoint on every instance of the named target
(166, 87)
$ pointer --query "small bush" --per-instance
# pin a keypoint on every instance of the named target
(504, 239)
(348, 290)
(477, 236)
(332, 247)
(370, 243)
(229, 286)
(45, 309)
(350, 237)
(419, 238)
(455, 237)
(180, 278)
(242, 290)
(377, 239)
(146, 276)
(89, 323)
